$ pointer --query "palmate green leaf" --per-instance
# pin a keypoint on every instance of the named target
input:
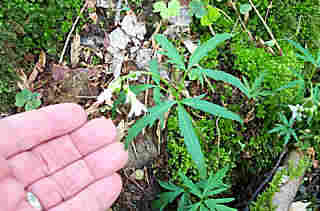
(173, 8)
(170, 51)
(226, 77)
(216, 204)
(182, 203)
(245, 8)
(215, 180)
(165, 199)
(318, 58)
(205, 48)
(137, 89)
(191, 140)
(211, 108)
(203, 208)
(291, 84)
(170, 186)
(159, 6)
(211, 17)
(195, 206)
(215, 192)
(32, 104)
(153, 114)
(197, 8)
(188, 183)
(154, 68)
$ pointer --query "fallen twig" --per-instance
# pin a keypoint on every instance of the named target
(241, 21)
(71, 31)
(267, 27)
(267, 179)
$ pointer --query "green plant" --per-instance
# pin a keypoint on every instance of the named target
(197, 8)
(178, 90)
(28, 100)
(286, 128)
(203, 191)
(166, 12)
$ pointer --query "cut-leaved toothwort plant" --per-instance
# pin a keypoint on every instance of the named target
(181, 100)
(196, 196)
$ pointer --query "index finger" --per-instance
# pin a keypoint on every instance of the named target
(26, 130)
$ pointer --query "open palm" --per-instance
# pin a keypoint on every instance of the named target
(67, 162)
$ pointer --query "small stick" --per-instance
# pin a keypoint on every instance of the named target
(71, 31)
(218, 131)
(267, 179)
(268, 29)
(242, 23)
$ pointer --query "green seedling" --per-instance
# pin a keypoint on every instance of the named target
(28, 100)
(286, 128)
(196, 196)
(166, 12)
(181, 100)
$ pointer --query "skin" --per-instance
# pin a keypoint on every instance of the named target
(69, 163)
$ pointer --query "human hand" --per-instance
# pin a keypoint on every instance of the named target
(68, 163)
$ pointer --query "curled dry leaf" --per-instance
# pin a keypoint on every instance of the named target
(58, 71)
(39, 67)
(75, 50)
(23, 83)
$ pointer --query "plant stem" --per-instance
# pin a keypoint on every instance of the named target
(268, 29)
(71, 31)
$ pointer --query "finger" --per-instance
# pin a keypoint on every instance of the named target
(5, 171)
(98, 196)
(23, 131)
(67, 182)
(12, 193)
(47, 158)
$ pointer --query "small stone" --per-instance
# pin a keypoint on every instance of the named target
(118, 39)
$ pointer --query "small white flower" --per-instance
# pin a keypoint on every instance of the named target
(105, 96)
(296, 111)
(136, 106)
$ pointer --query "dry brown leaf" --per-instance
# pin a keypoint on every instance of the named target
(39, 67)
(75, 50)
(23, 83)
(42, 60)
(58, 71)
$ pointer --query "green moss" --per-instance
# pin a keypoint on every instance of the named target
(217, 155)
(264, 201)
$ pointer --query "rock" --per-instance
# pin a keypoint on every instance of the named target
(289, 187)
(118, 39)
(95, 42)
(146, 151)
